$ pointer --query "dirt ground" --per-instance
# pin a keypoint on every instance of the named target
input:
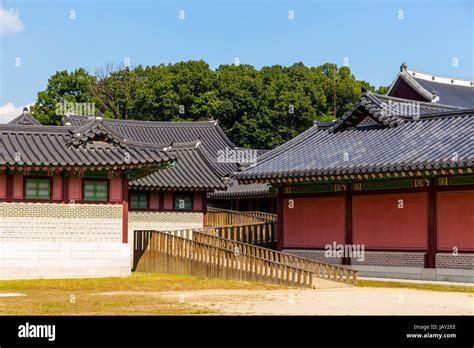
(326, 300)
(170, 294)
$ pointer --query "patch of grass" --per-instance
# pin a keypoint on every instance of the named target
(83, 296)
(418, 286)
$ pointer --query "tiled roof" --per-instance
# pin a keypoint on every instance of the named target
(198, 169)
(192, 171)
(24, 119)
(435, 88)
(450, 94)
(58, 146)
(385, 111)
(444, 140)
(212, 137)
(236, 190)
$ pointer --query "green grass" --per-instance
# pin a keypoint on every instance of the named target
(419, 286)
(53, 296)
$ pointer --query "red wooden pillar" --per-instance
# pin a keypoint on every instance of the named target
(65, 189)
(124, 210)
(348, 221)
(204, 209)
(161, 202)
(280, 212)
(237, 204)
(257, 204)
(251, 204)
(9, 193)
(430, 261)
(272, 205)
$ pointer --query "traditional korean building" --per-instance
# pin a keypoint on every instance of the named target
(395, 181)
(422, 86)
(251, 197)
(201, 181)
(64, 197)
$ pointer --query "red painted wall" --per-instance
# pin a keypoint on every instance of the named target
(313, 222)
(168, 201)
(57, 194)
(377, 221)
(17, 186)
(455, 220)
(197, 201)
(3, 186)
(115, 190)
(154, 200)
(75, 189)
(406, 92)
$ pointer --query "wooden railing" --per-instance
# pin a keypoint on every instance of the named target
(318, 269)
(261, 234)
(201, 254)
(223, 217)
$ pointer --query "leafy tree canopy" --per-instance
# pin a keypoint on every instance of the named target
(257, 108)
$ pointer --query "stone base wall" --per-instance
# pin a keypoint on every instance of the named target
(42, 240)
(402, 265)
(317, 255)
(391, 258)
(459, 261)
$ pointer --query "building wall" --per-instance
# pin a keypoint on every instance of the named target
(313, 222)
(393, 228)
(50, 240)
(390, 220)
(3, 186)
(406, 92)
(164, 221)
(455, 220)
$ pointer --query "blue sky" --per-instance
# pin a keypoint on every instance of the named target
(368, 33)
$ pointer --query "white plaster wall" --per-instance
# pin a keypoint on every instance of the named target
(41, 240)
(64, 260)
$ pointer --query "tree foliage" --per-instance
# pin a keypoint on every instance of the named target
(258, 108)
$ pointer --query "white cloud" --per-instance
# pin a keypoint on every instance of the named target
(9, 111)
(10, 22)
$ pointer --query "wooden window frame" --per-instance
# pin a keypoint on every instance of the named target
(146, 193)
(191, 194)
(88, 200)
(37, 199)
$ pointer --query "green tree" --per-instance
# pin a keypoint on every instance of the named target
(62, 86)
(257, 108)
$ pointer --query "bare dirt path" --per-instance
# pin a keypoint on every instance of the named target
(325, 301)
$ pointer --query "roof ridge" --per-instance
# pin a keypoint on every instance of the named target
(430, 104)
(210, 123)
(416, 71)
(10, 127)
(443, 114)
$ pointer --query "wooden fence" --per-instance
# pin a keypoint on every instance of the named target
(201, 254)
(261, 234)
(223, 217)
